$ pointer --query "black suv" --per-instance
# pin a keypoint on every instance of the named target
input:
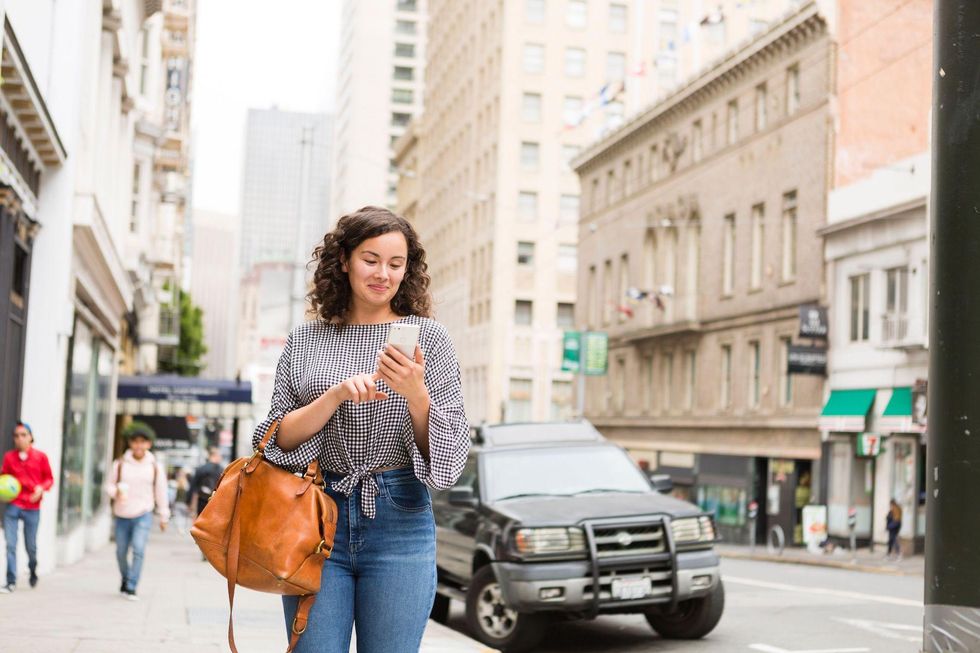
(551, 520)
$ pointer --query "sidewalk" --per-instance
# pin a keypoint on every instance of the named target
(183, 607)
(862, 561)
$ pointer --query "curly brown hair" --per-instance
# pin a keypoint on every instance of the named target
(331, 294)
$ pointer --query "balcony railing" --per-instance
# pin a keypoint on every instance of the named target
(894, 327)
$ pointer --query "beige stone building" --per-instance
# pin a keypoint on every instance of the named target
(513, 90)
(699, 245)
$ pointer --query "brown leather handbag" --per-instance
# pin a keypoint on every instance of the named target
(268, 530)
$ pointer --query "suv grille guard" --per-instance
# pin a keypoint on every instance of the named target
(625, 522)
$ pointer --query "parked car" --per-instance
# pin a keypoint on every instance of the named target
(552, 521)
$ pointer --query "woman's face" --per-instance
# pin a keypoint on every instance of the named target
(376, 268)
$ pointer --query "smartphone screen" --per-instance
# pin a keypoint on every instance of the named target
(404, 337)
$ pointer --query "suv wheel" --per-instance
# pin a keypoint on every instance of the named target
(493, 622)
(693, 618)
(440, 609)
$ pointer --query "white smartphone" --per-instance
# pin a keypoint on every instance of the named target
(404, 338)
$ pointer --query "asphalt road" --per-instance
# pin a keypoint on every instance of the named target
(771, 608)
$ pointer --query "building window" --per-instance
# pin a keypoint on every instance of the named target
(533, 58)
(760, 107)
(530, 155)
(726, 376)
(627, 178)
(567, 258)
(691, 365)
(650, 260)
(405, 5)
(591, 298)
(697, 141)
(568, 209)
(785, 379)
(611, 187)
(565, 315)
(860, 286)
(571, 109)
(523, 312)
(668, 30)
(728, 257)
(617, 18)
(562, 407)
(792, 89)
(576, 14)
(758, 234)
(402, 96)
(608, 286)
(619, 392)
(531, 107)
(527, 205)
(789, 236)
(755, 365)
(144, 59)
(648, 384)
(405, 27)
(525, 253)
(668, 359)
(624, 283)
(615, 111)
(654, 164)
(400, 120)
(595, 196)
(405, 50)
(519, 401)
(404, 74)
(896, 322)
(615, 66)
(731, 127)
(574, 62)
(534, 11)
(569, 152)
(134, 211)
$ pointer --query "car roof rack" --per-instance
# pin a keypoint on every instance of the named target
(523, 433)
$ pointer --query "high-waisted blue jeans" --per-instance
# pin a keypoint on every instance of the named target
(381, 576)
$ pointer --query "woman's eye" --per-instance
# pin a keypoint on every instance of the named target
(396, 267)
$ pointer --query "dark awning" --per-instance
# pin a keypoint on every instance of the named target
(180, 395)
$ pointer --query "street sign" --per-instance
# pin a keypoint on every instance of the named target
(813, 321)
(868, 445)
(806, 360)
(571, 352)
(596, 354)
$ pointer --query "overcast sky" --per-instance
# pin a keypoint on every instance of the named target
(254, 53)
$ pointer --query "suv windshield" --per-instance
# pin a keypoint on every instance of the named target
(556, 472)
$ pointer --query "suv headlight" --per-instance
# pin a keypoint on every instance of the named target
(691, 530)
(549, 540)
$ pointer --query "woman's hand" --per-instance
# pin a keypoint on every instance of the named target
(404, 375)
(358, 389)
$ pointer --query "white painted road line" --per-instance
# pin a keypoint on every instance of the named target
(885, 629)
(766, 648)
(803, 589)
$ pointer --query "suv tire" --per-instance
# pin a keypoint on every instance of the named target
(693, 618)
(440, 609)
(493, 623)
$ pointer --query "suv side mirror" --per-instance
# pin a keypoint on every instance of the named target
(661, 483)
(463, 496)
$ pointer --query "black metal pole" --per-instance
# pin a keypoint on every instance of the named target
(952, 580)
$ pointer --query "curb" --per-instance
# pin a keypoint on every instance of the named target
(817, 562)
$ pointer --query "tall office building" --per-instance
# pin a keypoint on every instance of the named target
(285, 185)
(379, 90)
(513, 90)
(215, 290)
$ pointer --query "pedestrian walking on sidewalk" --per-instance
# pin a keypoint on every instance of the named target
(893, 523)
(383, 426)
(30, 466)
(135, 485)
(205, 480)
(180, 499)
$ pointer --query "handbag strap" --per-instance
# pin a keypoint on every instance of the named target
(231, 569)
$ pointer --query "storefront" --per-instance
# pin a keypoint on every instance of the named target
(904, 422)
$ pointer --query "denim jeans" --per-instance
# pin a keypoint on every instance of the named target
(381, 576)
(11, 517)
(132, 533)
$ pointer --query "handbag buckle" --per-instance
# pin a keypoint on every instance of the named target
(298, 632)
(323, 545)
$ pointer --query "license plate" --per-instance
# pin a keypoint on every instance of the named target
(628, 589)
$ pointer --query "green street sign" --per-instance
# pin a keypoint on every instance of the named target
(571, 359)
(596, 355)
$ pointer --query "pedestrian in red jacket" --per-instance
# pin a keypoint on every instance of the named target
(29, 466)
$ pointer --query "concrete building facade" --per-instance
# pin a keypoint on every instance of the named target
(379, 90)
(214, 286)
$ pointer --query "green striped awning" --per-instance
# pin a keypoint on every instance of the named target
(847, 410)
(897, 417)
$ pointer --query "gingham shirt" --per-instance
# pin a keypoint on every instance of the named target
(376, 434)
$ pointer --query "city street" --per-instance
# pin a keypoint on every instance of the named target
(772, 608)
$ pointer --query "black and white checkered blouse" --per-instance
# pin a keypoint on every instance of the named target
(376, 434)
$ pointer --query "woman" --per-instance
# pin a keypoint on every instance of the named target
(893, 522)
(383, 427)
